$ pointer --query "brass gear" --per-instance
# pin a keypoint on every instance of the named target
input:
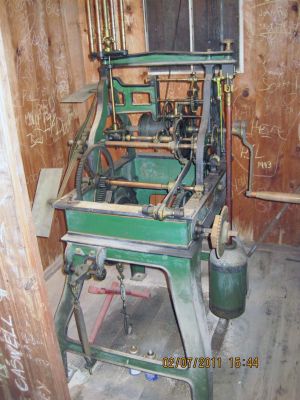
(220, 232)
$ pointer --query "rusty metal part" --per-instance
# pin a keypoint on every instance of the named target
(102, 313)
(228, 125)
(116, 290)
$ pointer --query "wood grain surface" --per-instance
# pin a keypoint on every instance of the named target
(30, 361)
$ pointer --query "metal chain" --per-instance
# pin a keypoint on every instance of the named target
(127, 325)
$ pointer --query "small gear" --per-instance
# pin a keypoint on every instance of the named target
(220, 232)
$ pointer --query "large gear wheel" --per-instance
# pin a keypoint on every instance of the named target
(95, 172)
(220, 232)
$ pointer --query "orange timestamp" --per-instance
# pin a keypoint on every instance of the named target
(209, 362)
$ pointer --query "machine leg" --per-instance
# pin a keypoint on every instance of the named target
(184, 279)
(62, 318)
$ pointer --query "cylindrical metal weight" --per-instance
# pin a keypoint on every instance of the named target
(228, 282)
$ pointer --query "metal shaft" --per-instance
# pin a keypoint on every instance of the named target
(81, 328)
(162, 139)
(90, 28)
(146, 145)
(144, 185)
(112, 94)
(113, 25)
(228, 117)
(98, 24)
(123, 38)
(180, 79)
(106, 19)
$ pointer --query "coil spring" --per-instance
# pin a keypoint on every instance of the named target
(101, 190)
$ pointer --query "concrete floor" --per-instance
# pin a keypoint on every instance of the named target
(269, 329)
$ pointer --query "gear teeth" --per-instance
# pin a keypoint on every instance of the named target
(216, 232)
(101, 190)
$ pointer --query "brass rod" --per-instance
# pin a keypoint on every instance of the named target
(113, 25)
(106, 19)
(123, 38)
(180, 79)
(144, 185)
(90, 28)
(98, 24)
(228, 145)
(112, 94)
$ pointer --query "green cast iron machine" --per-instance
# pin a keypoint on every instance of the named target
(111, 216)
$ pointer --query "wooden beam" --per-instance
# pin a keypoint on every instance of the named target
(30, 362)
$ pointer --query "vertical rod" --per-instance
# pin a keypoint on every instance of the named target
(98, 24)
(112, 94)
(81, 328)
(221, 21)
(106, 19)
(90, 29)
(123, 38)
(113, 25)
(228, 116)
(191, 26)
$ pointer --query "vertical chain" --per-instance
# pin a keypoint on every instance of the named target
(127, 325)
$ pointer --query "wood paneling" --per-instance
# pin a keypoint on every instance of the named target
(50, 46)
(30, 361)
(267, 97)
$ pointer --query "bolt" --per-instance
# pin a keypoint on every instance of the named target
(133, 350)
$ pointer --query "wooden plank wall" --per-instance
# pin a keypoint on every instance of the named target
(49, 39)
(30, 361)
(267, 97)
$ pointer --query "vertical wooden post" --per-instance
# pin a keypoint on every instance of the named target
(30, 362)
